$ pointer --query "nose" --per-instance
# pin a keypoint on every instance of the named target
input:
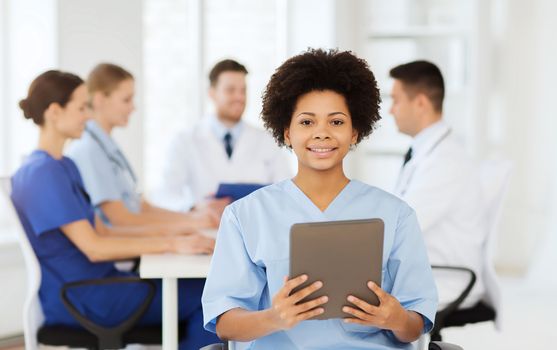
(321, 132)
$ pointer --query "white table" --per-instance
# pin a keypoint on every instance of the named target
(170, 267)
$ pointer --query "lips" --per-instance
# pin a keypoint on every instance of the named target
(321, 149)
(321, 152)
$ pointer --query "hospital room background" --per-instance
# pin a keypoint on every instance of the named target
(498, 58)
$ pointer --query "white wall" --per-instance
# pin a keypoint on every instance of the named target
(526, 76)
(97, 31)
(311, 23)
(29, 28)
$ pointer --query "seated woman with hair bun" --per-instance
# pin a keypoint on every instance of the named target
(70, 242)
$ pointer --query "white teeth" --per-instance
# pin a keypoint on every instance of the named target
(321, 150)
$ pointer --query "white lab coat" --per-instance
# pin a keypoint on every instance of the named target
(197, 162)
(442, 184)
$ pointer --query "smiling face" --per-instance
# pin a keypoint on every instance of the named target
(320, 131)
(229, 96)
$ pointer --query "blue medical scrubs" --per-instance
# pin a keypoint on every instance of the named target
(106, 172)
(252, 257)
(48, 193)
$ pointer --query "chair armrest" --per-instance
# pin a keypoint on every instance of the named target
(453, 306)
(109, 338)
(458, 301)
(438, 345)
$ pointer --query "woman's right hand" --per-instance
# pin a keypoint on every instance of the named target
(214, 206)
(286, 313)
(193, 244)
(207, 214)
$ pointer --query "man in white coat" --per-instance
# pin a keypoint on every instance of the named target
(439, 180)
(221, 147)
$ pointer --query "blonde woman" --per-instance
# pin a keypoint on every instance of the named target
(107, 174)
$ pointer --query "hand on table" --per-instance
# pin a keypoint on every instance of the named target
(193, 244)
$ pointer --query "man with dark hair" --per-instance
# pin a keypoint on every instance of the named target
(220, 148)
(225, 66)
(438, 179)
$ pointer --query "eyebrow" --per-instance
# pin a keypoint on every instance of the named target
(329, 115)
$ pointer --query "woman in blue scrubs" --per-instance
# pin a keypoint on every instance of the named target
(320, 104)
(70, 242)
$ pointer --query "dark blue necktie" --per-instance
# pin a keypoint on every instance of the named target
(228, 144)
(407, 156)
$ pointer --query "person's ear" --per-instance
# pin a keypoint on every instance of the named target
(52, 112)
(287, 138)
(97, 99)
(212, 92)
(422, 101)
(354, 137)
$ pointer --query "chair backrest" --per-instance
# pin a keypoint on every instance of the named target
(494, 179)
(33, 316)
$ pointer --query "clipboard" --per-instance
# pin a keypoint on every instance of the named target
(236, 191)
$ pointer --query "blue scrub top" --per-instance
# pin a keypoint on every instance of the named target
(106, 172)
(47, 194)
(252, 257)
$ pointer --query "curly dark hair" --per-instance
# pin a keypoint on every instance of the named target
(318, 70)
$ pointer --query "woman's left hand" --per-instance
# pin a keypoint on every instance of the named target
(389, 314)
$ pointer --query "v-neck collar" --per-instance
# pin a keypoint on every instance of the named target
(334, 207)
(102, 137)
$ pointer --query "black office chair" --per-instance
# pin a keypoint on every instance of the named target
(454, 316)
(90, 336)
(96, 337)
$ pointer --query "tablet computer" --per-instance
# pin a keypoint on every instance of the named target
(344, 255)
(236, 191)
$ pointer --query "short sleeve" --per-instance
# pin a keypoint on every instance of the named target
(409, 269)
(96, 170)
(48, 199)
(234, 280)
